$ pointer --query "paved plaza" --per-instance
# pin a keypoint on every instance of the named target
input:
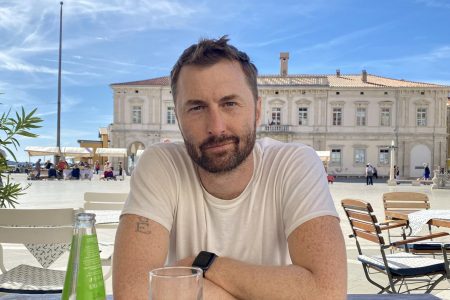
(58, 194)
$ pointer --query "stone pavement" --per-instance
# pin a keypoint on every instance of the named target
(55, 194)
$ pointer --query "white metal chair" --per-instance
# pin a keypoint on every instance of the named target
(107, 207)
(45, 232)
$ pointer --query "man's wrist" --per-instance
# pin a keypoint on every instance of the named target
(204, 261)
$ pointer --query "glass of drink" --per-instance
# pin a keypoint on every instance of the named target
(184, 283)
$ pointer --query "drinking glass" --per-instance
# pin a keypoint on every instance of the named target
(183, 283)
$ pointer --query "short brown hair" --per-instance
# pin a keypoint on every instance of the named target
(208, 52)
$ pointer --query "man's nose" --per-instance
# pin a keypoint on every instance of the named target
(216, 123)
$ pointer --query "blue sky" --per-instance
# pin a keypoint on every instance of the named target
(110, 41)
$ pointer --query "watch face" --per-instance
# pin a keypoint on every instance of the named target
(203, 259)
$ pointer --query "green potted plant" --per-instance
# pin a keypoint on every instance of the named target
(11, 127)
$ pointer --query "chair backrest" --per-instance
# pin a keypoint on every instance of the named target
(104, 201)
(363, 222)
(36, 226)
(408, 201)
(101, 203)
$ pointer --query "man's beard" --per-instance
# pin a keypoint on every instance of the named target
(224, 161)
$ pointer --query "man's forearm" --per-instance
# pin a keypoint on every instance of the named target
(211, 291)
(245, 281)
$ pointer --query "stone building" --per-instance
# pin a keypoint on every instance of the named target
(356, 117)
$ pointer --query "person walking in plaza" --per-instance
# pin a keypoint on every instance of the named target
(396, 172)
(37, 168)
(48, 164)
(426, 172)
(97, 167)
(60, 167)
(255, 215)
(369, 174)
(375, 172)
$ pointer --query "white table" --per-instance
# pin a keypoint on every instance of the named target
(419, 218)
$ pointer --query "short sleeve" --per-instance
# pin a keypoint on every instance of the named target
(153, 187)
(305, 189)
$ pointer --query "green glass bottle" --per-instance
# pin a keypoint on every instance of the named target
(84, 277)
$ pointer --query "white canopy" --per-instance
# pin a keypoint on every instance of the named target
(112, 152)
(41, 151)
(324, 155)
(139, 152)
(77, 151)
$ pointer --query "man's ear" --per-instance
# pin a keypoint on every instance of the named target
(258, 111)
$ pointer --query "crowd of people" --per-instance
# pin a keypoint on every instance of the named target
(58, 171)
(371, 172)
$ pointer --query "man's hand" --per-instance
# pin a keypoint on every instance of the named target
(210, 290)
(185, 262)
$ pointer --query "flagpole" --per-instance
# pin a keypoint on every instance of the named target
(58, 125)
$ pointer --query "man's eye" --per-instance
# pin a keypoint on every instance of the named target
(196, 108)
(230, 104)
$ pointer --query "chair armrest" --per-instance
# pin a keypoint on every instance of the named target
(417, 239)
(387, 221)
(397, 223)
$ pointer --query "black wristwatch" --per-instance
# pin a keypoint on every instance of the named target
(204, 260)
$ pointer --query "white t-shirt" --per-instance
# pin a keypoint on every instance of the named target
(288, 188)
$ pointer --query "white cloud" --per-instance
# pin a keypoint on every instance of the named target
(442, 52)
(345, 38)
(434, 55)
(281, 39)
(10, 63)
(99, 119)
(435, 3)
(13, 16)
(47, 113)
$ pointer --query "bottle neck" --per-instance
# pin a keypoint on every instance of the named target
(85, 224)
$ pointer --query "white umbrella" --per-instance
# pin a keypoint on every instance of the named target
(112, 152)
(77, 152)
(41, 151)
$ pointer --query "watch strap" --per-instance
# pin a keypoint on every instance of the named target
(204, 260)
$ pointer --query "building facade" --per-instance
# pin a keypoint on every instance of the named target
(356, 117)
(94, 144)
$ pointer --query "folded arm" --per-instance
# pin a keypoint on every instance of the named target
(319, 269)
(141, 245)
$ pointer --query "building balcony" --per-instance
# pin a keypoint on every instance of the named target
(275, 128)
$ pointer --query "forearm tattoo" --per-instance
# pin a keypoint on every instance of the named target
(143, 226)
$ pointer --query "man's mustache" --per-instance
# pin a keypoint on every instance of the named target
(217, 140)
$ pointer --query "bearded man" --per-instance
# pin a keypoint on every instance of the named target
(256, 216)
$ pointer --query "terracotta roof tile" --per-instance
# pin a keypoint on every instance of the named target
(341, 81)
(153, 81)
(374, 81)
(292, 80)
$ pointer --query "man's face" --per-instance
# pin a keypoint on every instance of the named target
(217, 115)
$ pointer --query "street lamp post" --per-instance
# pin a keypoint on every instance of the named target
(392, 180)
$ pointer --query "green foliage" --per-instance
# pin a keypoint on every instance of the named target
(10, 128)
